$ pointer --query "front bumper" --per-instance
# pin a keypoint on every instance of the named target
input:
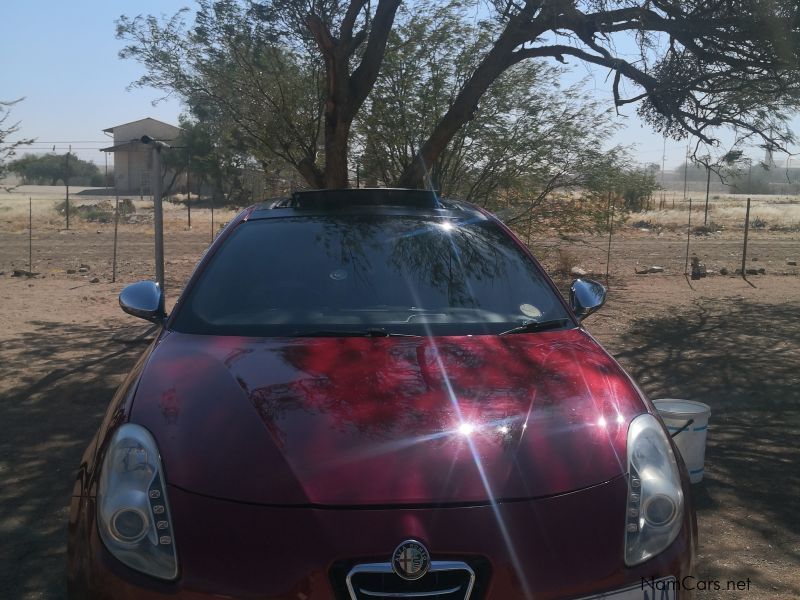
(568, 546)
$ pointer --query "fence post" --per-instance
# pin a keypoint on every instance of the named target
(708, 190)
(66, 181)
(688, 238)
(610, 232)
(744, 249)
(116, 225)
(30, 234)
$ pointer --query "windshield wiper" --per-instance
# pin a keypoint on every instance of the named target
(532, 326)
(369, 332)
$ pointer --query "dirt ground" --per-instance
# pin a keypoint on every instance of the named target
(65, 346)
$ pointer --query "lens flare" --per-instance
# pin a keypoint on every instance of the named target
(466, 429)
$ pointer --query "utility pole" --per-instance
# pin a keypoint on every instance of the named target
(158, 211)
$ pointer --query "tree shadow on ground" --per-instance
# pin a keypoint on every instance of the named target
(743, 359)
(55, 383)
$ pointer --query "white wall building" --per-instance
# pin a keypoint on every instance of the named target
(132, 158)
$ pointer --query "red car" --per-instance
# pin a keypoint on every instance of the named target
(369, 394)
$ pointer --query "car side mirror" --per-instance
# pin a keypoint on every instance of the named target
(144, 299)
(586, 296)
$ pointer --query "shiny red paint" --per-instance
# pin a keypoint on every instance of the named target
(236, 550)
(288, 460)
(355, 421)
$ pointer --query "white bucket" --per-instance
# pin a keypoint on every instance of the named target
(691, 440)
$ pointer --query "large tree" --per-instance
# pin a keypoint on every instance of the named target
(529, 137)
(296, 73)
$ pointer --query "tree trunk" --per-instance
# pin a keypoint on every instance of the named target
(337, 132)
(499, 58)
(346, 89)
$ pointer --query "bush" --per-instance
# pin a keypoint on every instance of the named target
(758, 223)
(102, 212)
(706, 229)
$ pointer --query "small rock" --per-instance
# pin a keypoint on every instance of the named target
(578, 272)
(641, 270)
(95, 280)
(22, 273)
(83, 270)
(752, 271)
(754, 259)
(655, 269)
(70, 271)
(791, 263)
(84, 266)
(724, 271)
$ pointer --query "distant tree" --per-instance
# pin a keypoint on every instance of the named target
(293, 75)
(50, 169)
(8, 149)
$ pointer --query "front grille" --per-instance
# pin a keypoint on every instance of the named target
(445, 580)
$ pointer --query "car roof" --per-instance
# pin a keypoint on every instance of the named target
(386, 201)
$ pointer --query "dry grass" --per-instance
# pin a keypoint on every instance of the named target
(44, 200)
(728, 210)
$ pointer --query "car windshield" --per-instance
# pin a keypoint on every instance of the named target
(368, 275)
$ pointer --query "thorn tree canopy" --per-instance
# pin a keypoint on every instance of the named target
(294, 74)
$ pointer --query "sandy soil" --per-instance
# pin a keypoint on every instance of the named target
(65, 345)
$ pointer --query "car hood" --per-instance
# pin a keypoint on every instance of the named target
(385, 421)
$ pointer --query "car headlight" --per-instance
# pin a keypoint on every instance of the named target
(132, 510)
(655, 497)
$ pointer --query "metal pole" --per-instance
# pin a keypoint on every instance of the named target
(708, 190)
(30, 234)
(663, 166)
(189, 192)
(66, 182)
(744, 249)
(688, 238)
(116, 226)
(158, 216)
(610, 232)
(212, 217)
(685, 177)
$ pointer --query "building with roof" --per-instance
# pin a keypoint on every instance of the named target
(133, 161)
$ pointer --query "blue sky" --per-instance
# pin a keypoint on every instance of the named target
(62, 57)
